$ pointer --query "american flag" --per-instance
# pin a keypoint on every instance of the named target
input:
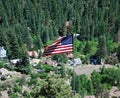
(60, 46)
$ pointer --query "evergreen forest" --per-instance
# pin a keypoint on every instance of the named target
(25, 24)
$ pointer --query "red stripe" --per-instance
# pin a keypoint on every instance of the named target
(58, 52)
(56, 42)
(58, 49)
(59, 46)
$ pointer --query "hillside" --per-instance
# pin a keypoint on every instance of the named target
(24, 23)
(28, 26)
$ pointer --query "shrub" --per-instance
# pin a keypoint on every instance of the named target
(17, 88)
(32, 81)
(47, 68)
(43, 75)
(0, 94)
(39, 65)
(14, 95)
(1, 65)
(24, 69)
(34, 76)
(60, 58)
(9, 67)
(10, 92)
(111, 60)
(26, 94)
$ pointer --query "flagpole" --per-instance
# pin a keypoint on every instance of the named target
(67, 33)
(74, 38)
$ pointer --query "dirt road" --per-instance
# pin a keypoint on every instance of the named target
(88, 69)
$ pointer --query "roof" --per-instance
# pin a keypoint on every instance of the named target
(114, 92)
(2, 52)
(33, 53)
(34, 61)
(70, 55)
(50, 62)
(14, 61)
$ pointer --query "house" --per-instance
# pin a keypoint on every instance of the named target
(34, 62)
(50, 62)
(2, 52)
(75, 62)
(70, 56)
(14, 61)
(33, 53)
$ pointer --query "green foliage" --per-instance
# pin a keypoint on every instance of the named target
(112, 46)
(21, 81)
(82, 85)
(47, 68)
(9, 67)
(0, 94)
(24, 69)
(26, 94)
(111, 76)
(79, 47)
(43, 75)
(14, 95)
(113, 60)
(17, 88)
(60, 58)
(61, 70)
(104, 80)
(1, 64)
(76, 45)
(32, 81)
(51, 87)
(34, 76)
(87, 48)
(102, 48)
(118, 53)
(96, 80)
(39, 65)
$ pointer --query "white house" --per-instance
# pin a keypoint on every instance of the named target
(75, 61)
(14, 61)
(2, 52)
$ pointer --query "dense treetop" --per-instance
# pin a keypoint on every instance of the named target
(35, 22)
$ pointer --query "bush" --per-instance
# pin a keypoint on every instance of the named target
(9, 67)
(60, 58)
(39, 66)
(26, 94)
(17, 88)
(43, 75)
(111, 60)
(34, 76)
(0, 94)
(24, 69)
(1, 65)
(32, 81)
(47, 68)
(14, 95)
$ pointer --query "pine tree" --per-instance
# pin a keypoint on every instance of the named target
(102, 48)
(14, 46)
